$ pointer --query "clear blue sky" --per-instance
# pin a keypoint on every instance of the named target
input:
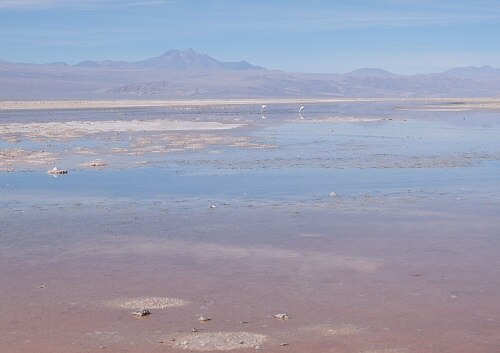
(403, 36)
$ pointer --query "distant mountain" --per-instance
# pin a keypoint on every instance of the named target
(370, 72)
(473, 72)
(174, 60)
(183, 74)
(58, 63)
(104, 63)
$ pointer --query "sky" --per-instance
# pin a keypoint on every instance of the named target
(402, 36)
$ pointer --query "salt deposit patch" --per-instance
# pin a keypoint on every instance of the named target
(310, 235)
(342, 119)
(73, 129)
(96, 163)
(218, 341)
(388, 350)
(145, 303)
(335, 329)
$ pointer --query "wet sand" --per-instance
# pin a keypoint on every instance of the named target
(428, 279)
(238, 225)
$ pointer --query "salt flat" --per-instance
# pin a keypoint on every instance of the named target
(362, 222)
(134, 103)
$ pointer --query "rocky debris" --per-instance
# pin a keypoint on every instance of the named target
(204, 319)
(141, 313)
(56, 171)
(281, 316)
(333, 194)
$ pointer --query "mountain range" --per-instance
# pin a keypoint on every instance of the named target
(189, 74)
(174, 60)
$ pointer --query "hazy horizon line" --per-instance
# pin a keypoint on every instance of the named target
(368, 67)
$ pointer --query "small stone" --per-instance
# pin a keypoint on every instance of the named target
(281, 316)
(194, 330)
(140, 313)
(245, 322)
(283, 344)
(333, 194)
(204, 319)
(213, 206)
(172, 339)
(56, 171)
(161, 342)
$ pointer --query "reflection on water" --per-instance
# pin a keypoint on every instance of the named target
(307, 161)
(274, 184)
(406, 277)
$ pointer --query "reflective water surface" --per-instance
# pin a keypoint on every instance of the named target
(403, 257)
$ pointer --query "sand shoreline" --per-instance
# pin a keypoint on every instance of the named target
(111, 104)
(80, 288)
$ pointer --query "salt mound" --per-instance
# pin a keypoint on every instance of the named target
(218, 341)
(145, 303)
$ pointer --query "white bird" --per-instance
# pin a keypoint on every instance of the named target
(263, 111)
(300, 112)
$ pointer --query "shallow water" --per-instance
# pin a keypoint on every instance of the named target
(304, 184)
(307, 162)
(405, 256)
